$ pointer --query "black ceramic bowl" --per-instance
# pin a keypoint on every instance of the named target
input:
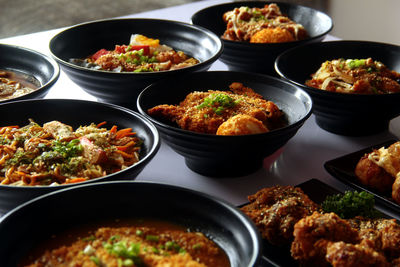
(121, 88)
(61, 210)
(224, 156)
(251, 57)
(31, 64)
(76, 113)
(345, 114)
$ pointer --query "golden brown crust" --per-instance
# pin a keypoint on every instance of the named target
(344, 254)
(372, 175)
(191, 115)
(275, 211)
(272, 35)
(312, 234)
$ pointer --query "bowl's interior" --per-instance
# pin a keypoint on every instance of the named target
(315, 22)
(294, 102)
(79, 113)
(228, 227)
(33, 64)
(298, 64)
(85, 39)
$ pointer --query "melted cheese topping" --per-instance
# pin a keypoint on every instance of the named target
(387, 159)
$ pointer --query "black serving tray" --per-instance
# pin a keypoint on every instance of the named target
(342, 168)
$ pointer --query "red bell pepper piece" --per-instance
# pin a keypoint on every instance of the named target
(146, 48)
(99, 53)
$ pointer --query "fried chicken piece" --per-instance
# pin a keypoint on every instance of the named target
(341, 254)
(390, 237)
(380, 170)
(272, 35)
(369, 230)
(240, 89)
(314, 233)
(204, 112)
(395, 262)
(372, 175)
(396, 189)
(382, 235)
(275, 211)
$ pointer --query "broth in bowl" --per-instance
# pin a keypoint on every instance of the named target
(128, 242)
(14, 84)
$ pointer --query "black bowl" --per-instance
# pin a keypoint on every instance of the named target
(340, 113)
(122, 88)
(33, 65)
(223, 156)
(251, 57)
(58, 211)
(76, 113)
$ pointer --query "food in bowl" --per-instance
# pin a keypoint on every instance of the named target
(143, 54)
(239, 111)
(141, 242)
(14, 84)
(380, 170)
(261, 25)
(356, 76)
(55, 154)
(319, 236)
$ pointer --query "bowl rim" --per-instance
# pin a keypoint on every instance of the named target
(246, 221)
(266, 45)
(183, 132)
(153, 149)
(316, 91)
(209, 33)
(53, 63)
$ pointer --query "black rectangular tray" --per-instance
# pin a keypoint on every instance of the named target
(342, 168)
(280, 256)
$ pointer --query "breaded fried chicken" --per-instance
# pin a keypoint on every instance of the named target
(204, 112)
(341, 254)
(314, 233)
(275, 211)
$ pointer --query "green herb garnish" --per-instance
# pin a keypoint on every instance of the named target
(218, 102)
(152, 238)
(355, 63)
(122, 250)
(95, 260)
(351, 204)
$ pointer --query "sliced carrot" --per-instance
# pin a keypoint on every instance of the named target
(113, 129)
(124, 132)
(101, 124)
(124, 154)
(75, 180)
(125, 147)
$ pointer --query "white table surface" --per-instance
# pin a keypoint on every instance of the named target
(302, 158)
